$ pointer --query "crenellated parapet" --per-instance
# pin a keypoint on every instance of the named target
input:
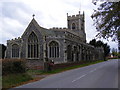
(59, 28)
(74, 16)
(14, 40)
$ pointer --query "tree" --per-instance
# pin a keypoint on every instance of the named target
(107, 20)
(93, 42)
(114, 52)
(2, 51)
(106, 49)
(101, 44)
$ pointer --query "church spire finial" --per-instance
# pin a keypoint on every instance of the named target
(80, 7)
(67, 14)
(33, 15)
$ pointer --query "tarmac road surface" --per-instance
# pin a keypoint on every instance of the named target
(100, 75)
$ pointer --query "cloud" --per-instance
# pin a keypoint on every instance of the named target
(16, 15)
(14, 18)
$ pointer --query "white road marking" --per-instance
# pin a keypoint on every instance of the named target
(93, 70)
(79, 78)
(83, 75)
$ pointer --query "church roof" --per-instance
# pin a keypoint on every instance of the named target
(65, 30)
(43, 31)
(49, 32)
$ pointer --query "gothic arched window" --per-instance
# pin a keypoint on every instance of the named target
(73, 26)
(15, 51)
(32, 46)
(53, 49)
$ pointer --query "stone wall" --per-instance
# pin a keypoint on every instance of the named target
(35, 64)
(69, 64)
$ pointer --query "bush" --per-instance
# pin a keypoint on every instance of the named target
(13, 66)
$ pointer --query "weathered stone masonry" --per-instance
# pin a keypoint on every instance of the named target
(59, 44)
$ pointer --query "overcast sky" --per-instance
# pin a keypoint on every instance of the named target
(15, 16)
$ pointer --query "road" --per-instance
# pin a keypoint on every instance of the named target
(101, 75)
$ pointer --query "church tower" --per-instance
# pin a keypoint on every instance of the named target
(76, 23)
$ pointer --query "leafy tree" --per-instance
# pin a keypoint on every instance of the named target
(93, 42)
(2, 50)
(118, 54)
(114, 52)
(101, 44)
(106, 49)
(107, 20)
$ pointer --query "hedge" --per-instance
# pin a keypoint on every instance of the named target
(10, 66)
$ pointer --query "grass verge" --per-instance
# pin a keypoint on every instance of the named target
(13, 80)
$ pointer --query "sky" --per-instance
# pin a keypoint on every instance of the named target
(15, 15)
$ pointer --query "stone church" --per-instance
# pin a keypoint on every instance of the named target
(59, 44)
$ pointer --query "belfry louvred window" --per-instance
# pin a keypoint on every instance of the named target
(32, 46)
(53, 49)
(73, 26)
